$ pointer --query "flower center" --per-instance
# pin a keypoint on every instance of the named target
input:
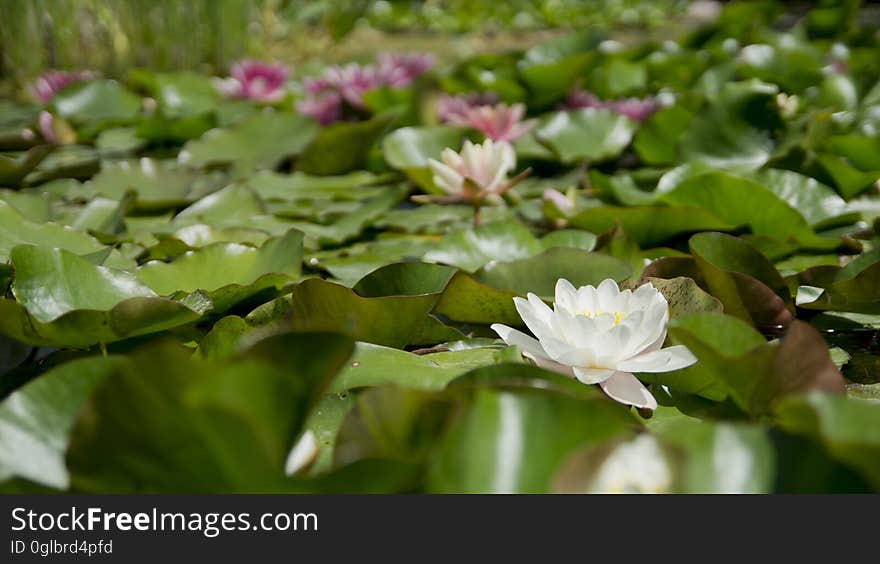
(619, 316)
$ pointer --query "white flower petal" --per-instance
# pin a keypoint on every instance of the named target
(606, 294)
(563, 353)
(513, 337)
(592, 375)
(587, 299)
(551, 365)
(566, 296)
(536, 315)
(652, 329)
(446, 178)
(626, 388)
(663, 360)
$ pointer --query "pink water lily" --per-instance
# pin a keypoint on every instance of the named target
(45, 124)
(638, 109)
(324, 107)
(475, 172)
(50, 83)
(498, 123)
(600, 336)
(453, 109)
(325, 94)
(398, 70)
(55, 131)
(254, 80)
(353, 80)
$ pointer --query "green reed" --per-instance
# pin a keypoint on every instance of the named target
(114, 35)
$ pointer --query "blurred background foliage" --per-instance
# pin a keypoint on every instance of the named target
(113, 36)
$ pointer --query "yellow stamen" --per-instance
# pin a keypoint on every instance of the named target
(619, 316)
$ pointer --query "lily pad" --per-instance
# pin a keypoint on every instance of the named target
(173, 422)
(589, 135)
(846, 427)
(261, 141)
(67, 301)
(477, 454)
(36, 420)
(342, 147)
(96, 101)
(228, 272)
(651, 225)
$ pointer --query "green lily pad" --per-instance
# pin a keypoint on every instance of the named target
(67, 301)
(486, 296)
(766, 374)
(477, 454)
(858, 293)
(392, 319)
(97, 101)
(743, 279)
(260, 141)
(650, 225)
(36, 420)
(408, 149)
(848, 180)
(847, 428)
(174, 422)
(819, 204)
(158, 184)
(657, 140)
(342, 147)
(234, 205)
(374, 365)
(739, 201)
(180, 94)
(228, 272)
(299, 185)
(13, 170)
(470, 249)
(586, 135)
(411, 147)
(16, 230)
(539, 274)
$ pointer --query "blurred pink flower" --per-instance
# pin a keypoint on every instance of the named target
(54, 130)
(349, 83)
(49, 83)
(838, 67)
(253, 80)
(498, 123)
(316, 84)
(46, 130)
(398, 70)
(325, 107)
(454, 108)
(353, 80)
(637, 109)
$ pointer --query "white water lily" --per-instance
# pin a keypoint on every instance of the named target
(477, 171)
(600, 336)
